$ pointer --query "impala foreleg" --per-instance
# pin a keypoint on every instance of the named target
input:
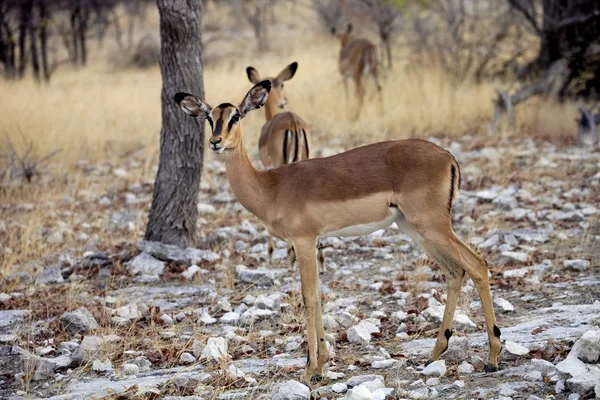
(311, 294)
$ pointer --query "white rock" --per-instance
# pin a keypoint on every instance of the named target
(358, 393)
(534, 376)
(436, 369)
(130, 369)
(206, 319)
(102, 366)
(230, 318)
(215, 349)
(79, 321)
(458, 349)
(361, 333)
(187, 358)
(129, 312)
(49, 275)
(513, 256)
(292, 390)
(465, 368)
(167, 320)
(360, 379)
(515, 348)
(146, 265)
(339, 387)
(503, 305)
(577, 265)
(383, 364)
(459, 383)
(432, 382)
(190, 272)
(589, 347)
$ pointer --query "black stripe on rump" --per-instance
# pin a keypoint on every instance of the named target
(452, 180)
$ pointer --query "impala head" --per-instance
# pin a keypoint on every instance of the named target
(224, 119)
(276, 97)
(340, 34)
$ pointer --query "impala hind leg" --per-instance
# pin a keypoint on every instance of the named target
(445, 245)
(311, 294)
(454, 279)
(454, 274)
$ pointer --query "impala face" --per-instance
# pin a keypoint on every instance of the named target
(277, 98)
(224, 119)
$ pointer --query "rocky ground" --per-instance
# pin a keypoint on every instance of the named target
(95, 315)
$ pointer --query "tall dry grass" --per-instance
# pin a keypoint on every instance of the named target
(98, 112)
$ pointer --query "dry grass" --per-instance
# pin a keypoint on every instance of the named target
(98, 113)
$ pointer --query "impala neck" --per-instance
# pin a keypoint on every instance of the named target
(248, 183)
(270, 109)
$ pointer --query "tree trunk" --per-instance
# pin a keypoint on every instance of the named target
(35, 64)
(44, 18)
(24, 21)
(174, 210)
(83, 26)
(75, 11)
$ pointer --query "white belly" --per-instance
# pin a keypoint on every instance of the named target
(365, 229)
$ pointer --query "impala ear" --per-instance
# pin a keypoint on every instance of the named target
(256, 97)
(192, 105)
(287, 73)
(253, 75)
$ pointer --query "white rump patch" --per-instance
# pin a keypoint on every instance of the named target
(365, 229)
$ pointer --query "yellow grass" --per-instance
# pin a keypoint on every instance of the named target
(97, 113)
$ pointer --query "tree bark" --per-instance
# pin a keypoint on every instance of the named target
(35, 63)
(24, 22)
(44, 18)
(174, 210)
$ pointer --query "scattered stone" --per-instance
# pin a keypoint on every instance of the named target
(458, 349)
(534, 376)
(145, 265)
(167, 320)
(191, 272)
(465, 368)
(215, 349)
(339, 387)
(435, 369)
(292, 390)
(102, 366)
(49, 275)
(576, 265)
(230, 318)
(169, 252)
(383, 364)
(79, 321)
(187, 358)
(130, 369)
(361, 333)
(515, 349)
(513, 257)
(432, 382)
(360, 379)
(359, 393)
(260, 276)
(589, 347)
(503, 305)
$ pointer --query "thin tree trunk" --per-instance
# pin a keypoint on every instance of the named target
(44, 17)
(35, 64)
(83, 26)
(25, 14)
(75, 12)
(174, 210)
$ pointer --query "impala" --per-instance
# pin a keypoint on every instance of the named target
(413, 183)
(358, 57)
(284, 138)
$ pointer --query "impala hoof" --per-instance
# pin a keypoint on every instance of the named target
(428, 362)
(490, 368)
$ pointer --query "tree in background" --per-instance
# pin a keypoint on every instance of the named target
(174, 212)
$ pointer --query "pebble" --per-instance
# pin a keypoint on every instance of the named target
(515, 348)
(292, 390)
(187, 358)
(576, 265)
(435, 369)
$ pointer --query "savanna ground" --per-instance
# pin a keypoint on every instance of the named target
(94, 197)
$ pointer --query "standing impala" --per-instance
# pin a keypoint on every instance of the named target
(411, 182)
(358, 58)
(284, 138)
